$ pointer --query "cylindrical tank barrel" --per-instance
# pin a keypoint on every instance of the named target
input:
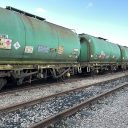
(95, 49)
(23, 38)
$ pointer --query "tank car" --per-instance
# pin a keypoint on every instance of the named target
(32, 48)
(98, 54)
(124, 57)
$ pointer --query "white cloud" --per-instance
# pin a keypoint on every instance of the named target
(39, 11)
(90, 4)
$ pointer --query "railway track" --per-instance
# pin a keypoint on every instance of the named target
(15, 106)
(29, 93)
(51, 120)
(54, 101)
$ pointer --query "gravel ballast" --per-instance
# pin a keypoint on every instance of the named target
(110, 112)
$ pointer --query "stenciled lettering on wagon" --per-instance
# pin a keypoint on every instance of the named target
(5, 42)
(43, 48)
(28, 49)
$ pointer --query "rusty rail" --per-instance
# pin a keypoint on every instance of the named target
(72, 110)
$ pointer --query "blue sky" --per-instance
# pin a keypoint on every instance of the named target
(104, 18)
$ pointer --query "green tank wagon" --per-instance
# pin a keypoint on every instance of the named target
(98, 52)
(124, 56)
(31, 47)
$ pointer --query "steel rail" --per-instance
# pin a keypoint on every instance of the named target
(51, 120)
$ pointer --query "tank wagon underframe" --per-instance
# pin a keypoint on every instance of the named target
(30, 72)
(100, 67)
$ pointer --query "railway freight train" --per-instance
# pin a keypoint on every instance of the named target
(32, 48)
